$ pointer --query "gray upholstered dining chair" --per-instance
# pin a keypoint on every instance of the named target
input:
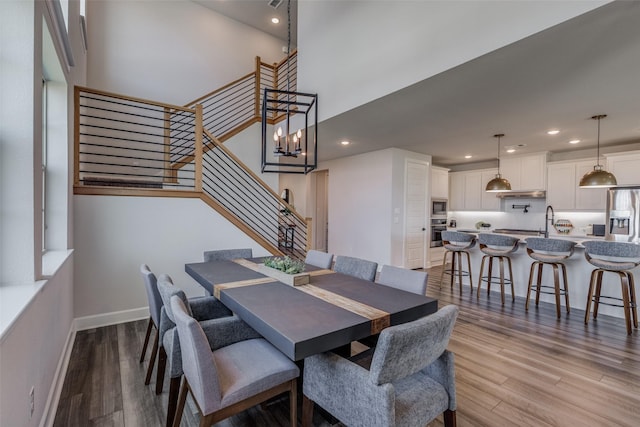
(319, 259)
(226, 254)
(207, 310)
(411, 379)
(155, 306)
(356, 267)
(404, 279)
(227, 374)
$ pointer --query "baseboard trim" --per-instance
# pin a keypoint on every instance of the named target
(114, 318)
(51, 407)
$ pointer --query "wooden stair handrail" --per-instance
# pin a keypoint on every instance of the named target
(79, 89)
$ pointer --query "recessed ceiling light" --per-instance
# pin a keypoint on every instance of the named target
(511, 150)
(468, 156)
(275, 20)
(345, 142)
(574, 141)
(553, 132)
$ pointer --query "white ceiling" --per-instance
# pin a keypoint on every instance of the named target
(557, 78)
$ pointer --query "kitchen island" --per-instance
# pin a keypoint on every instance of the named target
(578, 275)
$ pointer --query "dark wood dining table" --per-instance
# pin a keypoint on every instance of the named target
(330, 312)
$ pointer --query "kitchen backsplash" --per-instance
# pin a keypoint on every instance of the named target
(515, 217)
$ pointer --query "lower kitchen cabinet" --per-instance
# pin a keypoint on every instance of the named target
(436, 255)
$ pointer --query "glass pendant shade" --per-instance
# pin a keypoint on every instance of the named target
(598, 177)
(498, 184)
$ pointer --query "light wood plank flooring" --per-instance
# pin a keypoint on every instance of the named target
(513, 368)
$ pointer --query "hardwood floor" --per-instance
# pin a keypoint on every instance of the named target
(513, 368)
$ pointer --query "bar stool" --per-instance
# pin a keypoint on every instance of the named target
(613, 257)
(496, 246)
(549, 252)
(457, 244)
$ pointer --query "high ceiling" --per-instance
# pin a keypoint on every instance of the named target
(556, 79)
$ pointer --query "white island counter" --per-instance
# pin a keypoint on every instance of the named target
(578, 275)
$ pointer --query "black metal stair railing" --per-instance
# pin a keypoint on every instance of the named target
(127, 142)
(226, 180)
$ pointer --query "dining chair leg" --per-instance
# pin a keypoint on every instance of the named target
(174, 387)
(146, 340)
(293, 403)
(449, 418)
(152, 358)
(181, 401)
(162, 364)
(307, 411)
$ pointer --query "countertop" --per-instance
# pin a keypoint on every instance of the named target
(575, 237)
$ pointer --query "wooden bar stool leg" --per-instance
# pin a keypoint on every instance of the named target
(596, 301)
(556, 287)
(625, 301)
(532, 272)
(489, 275)
(501, 279)
(513, 292)
(587, 310)
(632, 293)
(444, 266)
(566, 287)
(484, 258)
(460, 271)
(453, 267)
(539, 282)
(469, 267)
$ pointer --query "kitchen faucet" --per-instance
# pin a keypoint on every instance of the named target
(546, 220)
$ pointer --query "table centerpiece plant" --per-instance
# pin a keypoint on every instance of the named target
(286, 270)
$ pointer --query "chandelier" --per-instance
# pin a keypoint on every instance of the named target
(293, 146)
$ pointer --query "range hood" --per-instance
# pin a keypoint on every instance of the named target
(533, 194)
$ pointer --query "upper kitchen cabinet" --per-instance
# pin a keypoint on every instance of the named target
(439, 182)
(467, 191)
(625, 167)
(563, 192)
(525, 172)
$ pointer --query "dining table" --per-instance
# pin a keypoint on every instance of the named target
(328, 313)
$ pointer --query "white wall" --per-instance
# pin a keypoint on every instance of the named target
(169, 51)
(31, 352)
(348, 50)
(114, 235)
(364, 190)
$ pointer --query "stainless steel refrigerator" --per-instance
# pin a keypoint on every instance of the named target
(623, 214)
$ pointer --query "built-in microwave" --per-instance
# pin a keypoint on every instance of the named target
(439, 208)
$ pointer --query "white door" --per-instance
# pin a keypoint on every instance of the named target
(320, 219)
(416, 214)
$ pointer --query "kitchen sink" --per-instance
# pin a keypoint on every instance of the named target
(518, 231)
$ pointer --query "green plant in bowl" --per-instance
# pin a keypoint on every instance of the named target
(287, 264)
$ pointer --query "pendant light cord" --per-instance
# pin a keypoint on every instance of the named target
(598, 149)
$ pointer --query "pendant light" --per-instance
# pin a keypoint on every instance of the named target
(598, 177)
(498, 184)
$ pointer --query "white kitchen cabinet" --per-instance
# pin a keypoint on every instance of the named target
(489, 200)
(466, 191)
(439, 183)
(525, 172)
(563, 191)
(624, 166)
(436, 255)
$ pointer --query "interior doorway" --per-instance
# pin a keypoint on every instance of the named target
(320, 188)
(415, 235)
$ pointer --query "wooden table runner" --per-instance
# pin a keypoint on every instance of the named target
(379, 319)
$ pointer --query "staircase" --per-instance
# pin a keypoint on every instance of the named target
(131, 146)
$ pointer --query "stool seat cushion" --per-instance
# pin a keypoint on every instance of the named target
(612, 265)
(496, 251)
(457, 241)
(540, 256)
(550, 245)
(459, 248)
